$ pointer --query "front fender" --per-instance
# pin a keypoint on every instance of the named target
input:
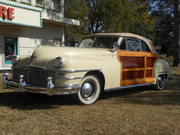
(108, 65)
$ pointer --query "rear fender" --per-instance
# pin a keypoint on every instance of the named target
(161, 67)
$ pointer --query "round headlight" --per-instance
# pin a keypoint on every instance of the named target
(15, 61)
(58, 62)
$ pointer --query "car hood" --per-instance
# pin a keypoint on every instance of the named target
(44, 56)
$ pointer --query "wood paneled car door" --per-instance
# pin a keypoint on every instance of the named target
(137, 62)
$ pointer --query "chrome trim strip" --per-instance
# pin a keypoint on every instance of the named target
(65, 89)
(167, 72)
(68, 78)
(125, 87)
(73, 71)
(66, 93)
(62, 71)
(67, 85)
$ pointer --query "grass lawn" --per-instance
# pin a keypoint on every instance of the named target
(138, 111)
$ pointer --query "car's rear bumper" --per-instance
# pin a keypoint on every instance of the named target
(51, 88)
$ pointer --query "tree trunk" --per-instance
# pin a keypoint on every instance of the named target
(177, 33)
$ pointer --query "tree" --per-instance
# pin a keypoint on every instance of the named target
(163, 34)
(77, 9)
(111, 16)
(176, 5)
(119, 16)
(168, 13)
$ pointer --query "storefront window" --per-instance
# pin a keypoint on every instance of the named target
(53, 5)
(10, 48)
(26, 1)
(57, 4)
(40, 2)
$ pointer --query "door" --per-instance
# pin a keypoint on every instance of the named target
(137, 63)
(10, 48)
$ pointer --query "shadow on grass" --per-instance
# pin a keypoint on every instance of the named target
(138, 95)
(148, 96)
(30, 101)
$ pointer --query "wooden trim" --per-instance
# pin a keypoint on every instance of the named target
(137, 54)
(137, 67)
(145, 66)
(137, 81)
(132, 62)
(149, 73)
(128, 75)
(149, 68)
(133, 69)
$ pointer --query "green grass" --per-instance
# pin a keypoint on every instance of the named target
(137, 111)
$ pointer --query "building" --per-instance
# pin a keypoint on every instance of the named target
(26, 24)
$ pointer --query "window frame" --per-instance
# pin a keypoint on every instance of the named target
(85, 39)
(96, 40)
(26, 1)
(146, 45)
(113, 40)
(123, 39)
(140, 41)
(41, 5)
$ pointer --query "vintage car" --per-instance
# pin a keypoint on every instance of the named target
(101, 62)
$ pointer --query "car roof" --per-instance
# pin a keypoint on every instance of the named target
(148, 42)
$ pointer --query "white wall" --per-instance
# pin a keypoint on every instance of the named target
(30, 38)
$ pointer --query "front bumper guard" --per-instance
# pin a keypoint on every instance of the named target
(51, 88)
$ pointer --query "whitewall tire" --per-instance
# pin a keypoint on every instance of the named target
(90, 90)
(160, 82)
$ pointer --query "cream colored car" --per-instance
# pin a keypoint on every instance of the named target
(102, 62)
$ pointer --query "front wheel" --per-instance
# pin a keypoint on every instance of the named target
(90, 90)
(160, 83)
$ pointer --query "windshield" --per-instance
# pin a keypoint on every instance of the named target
(87, 42)
(99, 42)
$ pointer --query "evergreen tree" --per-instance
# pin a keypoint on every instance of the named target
(167, 35)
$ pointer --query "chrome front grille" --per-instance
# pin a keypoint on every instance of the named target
(33, 76)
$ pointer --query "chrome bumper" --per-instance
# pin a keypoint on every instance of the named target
(51, 88)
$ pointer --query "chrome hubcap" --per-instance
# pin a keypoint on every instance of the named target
(87, 90)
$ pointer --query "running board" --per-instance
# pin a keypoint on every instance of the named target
(125, 87)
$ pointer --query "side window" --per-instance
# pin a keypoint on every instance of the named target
(123, 45)
(105, 41)
(145, 47)
(133, 44)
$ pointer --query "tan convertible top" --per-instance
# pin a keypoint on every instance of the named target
(149, 42)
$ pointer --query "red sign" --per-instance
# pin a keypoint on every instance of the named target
(6, 13)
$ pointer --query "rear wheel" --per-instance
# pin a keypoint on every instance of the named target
(90, 90)
(161, 82)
